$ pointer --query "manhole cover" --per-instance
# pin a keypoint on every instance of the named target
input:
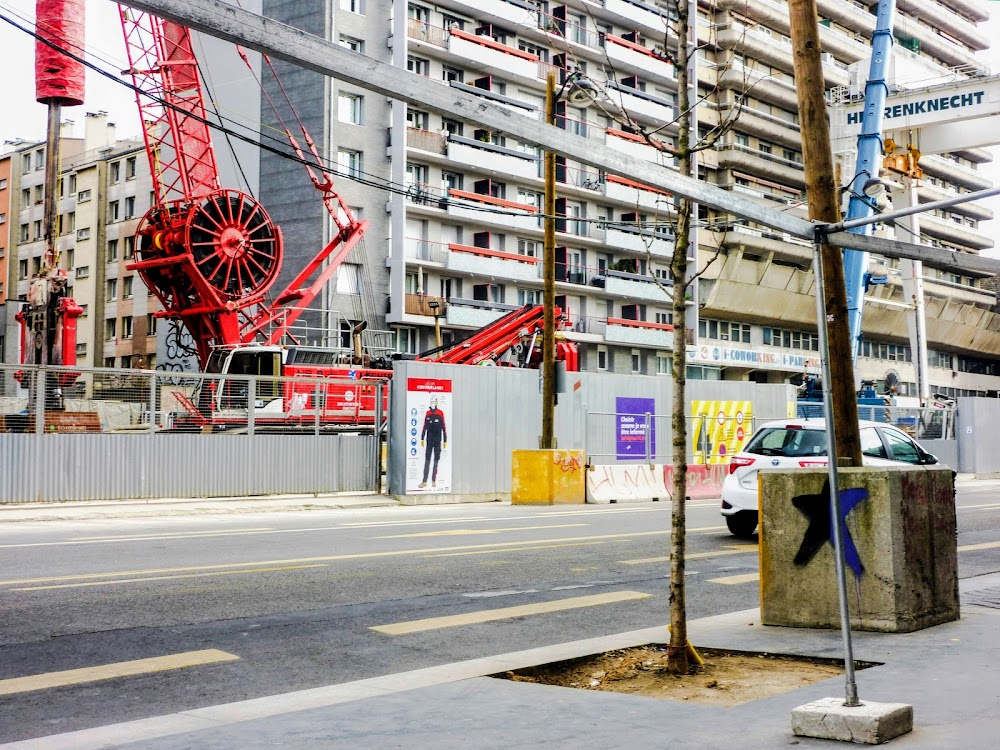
(985, 598)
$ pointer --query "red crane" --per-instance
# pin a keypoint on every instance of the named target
(211, 254)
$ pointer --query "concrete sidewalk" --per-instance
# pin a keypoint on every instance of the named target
(950, 674)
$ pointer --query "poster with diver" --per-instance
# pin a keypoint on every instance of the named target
(428, 415)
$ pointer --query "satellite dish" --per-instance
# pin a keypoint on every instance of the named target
(891, 381)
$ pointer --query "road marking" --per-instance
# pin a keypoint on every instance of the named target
(461, 532)
(116, 581)
(332, 558)
(516, 549)
(734, 549)
(983, 505)
(733, 580)
(148, 535)
(984, 545)
(506, 613)
(114, 671)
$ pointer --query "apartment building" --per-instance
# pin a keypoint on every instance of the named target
(460, 239)
(104, 190)
(6, 189)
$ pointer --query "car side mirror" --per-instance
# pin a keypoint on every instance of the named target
(929, 459)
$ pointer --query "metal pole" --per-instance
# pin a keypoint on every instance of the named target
(549, 277)
(922, 208)
(838, 547)
(152, 402)
(316, 406)
(378, 417)
(40, 395)
(648, 437)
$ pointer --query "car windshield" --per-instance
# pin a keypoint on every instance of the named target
(786, 441)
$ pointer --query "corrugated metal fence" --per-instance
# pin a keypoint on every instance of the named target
(116, 435)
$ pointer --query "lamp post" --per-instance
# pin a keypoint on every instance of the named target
(549, 279)
(434, 305)
(581, 92)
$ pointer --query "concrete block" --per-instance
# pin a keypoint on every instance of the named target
(869, 723)
(547, 477)
(902, 561)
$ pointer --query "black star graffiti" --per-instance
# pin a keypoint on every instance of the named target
(816, 508)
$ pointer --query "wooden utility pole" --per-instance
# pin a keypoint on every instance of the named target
(823, 197)
(549, 279)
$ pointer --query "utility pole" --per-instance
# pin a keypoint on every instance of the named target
(823, 197)
(549, 278)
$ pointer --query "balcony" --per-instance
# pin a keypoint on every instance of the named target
(420, 304)
(637, 147)
(622, 331)
(635, 193)
(426, 140)
(633, 13)
(759, 163)
(952, 171)
(475, 313)
(514, 12)
(636, 241)
(642, 104)
(493, 56)
(488, 157)
(634, 286)
(638, 58)
(475, 208)
(484, 261)
(958, 234)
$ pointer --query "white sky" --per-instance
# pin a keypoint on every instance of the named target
(24, 118)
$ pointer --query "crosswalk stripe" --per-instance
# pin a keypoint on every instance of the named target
(983, 545)
(734, 580)
(506, 613)
(735, 550)
(113, 671)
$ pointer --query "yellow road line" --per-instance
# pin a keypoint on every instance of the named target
(113, 671)
(462, 532)
(735, 550)
(116, 581)
(515, 549)
(983, 545)
(149, 535)
(332, 558)
(505, 613)
(733, 580)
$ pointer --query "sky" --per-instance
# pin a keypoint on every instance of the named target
(23, 117)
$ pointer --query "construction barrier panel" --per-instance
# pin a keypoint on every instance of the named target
(547, 477)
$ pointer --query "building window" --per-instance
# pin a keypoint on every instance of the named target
(450, 73)
(83, 272)
(528, 247)
(38, 230)
(130, 168)
(39, 195)
(25, 163)
(663, 363)
(25, 233)
(83, 233)
(602, 358)
(127, 284)
(350, 108)
(406, 340)
(127, 327)
(111, 290)
(112, 251)
(664, 318)
(114, 211)
(3, 183)
(115, 172)
(349, 162)
(83, 196)
(353, 6)
(150, 324)
(129, 247)
(81, 350)
(130, 207)
(418, 65)
(636, 361)
(355, 45)
(25, 197)
(529, 296)
(110, 332)
(22, 269)
(418, 119)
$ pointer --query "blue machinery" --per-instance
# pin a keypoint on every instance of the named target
(866, 173)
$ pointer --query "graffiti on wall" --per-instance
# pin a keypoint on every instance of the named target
(816, 509)
(176, 354)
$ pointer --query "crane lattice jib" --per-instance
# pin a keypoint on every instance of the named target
(178, 143)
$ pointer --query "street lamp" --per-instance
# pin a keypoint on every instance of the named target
(579, 92)
(434, 305)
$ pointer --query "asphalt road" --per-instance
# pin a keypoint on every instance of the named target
(292, 600)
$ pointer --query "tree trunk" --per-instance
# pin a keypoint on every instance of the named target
(677, 659)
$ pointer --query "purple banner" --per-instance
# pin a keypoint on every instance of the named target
(630, 438)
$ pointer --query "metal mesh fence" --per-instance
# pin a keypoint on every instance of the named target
(81, 400)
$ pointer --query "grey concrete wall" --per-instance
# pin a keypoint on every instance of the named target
(978, 452)
(905, 572)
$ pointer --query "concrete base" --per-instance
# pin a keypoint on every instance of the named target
(869, 723)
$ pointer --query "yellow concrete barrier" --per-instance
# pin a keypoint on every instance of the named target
(548, 477)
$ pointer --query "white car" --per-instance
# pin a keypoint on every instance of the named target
(801, 443)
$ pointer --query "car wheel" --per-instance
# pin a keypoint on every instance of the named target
(742, 524)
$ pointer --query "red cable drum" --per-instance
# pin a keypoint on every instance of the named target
(59, 78)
